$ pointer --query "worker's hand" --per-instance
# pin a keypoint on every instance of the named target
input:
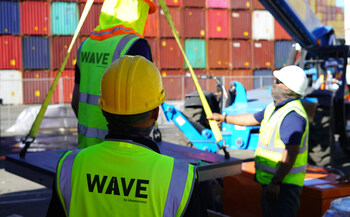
(217, 117)
(272, 192)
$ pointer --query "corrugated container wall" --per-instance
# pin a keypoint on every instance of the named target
(173, 81)
(219, 54)
(64, 18)
(263, 54)
(194, 23)
(11, 52)
(218, 23)
(176, 15)
(195, 50)
(219, 73)
(152, 25)
(11, 89)
(241, 54)
(241, 24)
(59, 47)
(171, 57)
(189, 84)
(256, 5)
(64, 90)
(193, 3)
(96, 1)
(263, 25)
(36, 52)
(282, 49)
(34, 16)
(154, 44)
(218, 4)
(36, 84)
(280, 33)
(241, 4)
(92, 18)
(262, 78)
(173, 2)
(244, 76)
(9, 17)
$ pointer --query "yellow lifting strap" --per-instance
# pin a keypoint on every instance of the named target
(39, 118)
(213, 125)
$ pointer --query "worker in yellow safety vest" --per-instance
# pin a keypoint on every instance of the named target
(120, 32)
(126, 175)
(281, 155)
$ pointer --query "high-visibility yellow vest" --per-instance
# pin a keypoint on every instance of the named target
(123, 178)
(93, 58)
(268, 154)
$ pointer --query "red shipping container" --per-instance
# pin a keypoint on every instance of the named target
(218, 4)
(59, 49)
(280, 33)
(241, 24)
(64, 89)
(34, 17)
(92, 18)
(95, 1)
(263, 54)
(226, 74)
(173, 81)
(152, 25)
(218, 23)
(241, 54)
(154, 44)
(189, 84)
(193, 3)
(241, 4)
(173, 2)
(245, 77)
(194, 22)
(36, 85)
(176, 15)
(170, 55)
(257, 5)
(11, 50)
(219, 54)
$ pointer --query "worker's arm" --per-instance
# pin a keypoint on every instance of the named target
(242, 120)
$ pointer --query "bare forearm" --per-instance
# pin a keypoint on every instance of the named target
(242, 120)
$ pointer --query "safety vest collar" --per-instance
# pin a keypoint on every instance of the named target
(143, 142)
(113, 31)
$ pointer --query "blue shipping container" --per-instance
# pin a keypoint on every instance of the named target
(195, 51)
(282, 49)
(262, 78)
(9, 17)
(64, 18)
(36, 52)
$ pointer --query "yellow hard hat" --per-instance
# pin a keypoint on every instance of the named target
(131, 85)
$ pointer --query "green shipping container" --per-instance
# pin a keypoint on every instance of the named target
(195, 50)
(64, 18)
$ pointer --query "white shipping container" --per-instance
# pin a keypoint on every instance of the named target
(263, 25)
(11, 88)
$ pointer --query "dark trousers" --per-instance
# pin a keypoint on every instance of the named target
(286, 205)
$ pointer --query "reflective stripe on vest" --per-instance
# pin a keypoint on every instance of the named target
(273, 170)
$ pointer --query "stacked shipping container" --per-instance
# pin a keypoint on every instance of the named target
(220, 37)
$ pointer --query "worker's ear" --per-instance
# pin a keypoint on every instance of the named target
(155, 113)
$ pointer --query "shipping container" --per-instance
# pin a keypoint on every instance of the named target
(189, 84)
(170, 56)
(64, 18)
(154, 44)
(11, 89)
(244, 76)
(59, 45)
(193, 3)
(152, 25)
(262, 78)
(64, 89)
(195, 50)
(282, 50)
(36, 52)
(9, 16)
(219, 54)
(194, 22)
(34, 16)
(218, 4)
(256, 5)
(263, 54)
(241, 4)
(241, 24)
(174, 82)
(218, 23)
(174, 2)
(263, 25)
(176, 15)
(95, 1)
(92, 19)
(11, 50)
(225, 74)
(280, 33)
(36, 85)
(241, 54)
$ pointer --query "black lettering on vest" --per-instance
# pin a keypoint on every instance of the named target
(113, 186)
(99, 57)
(85, 56)
(105, 58)
(140, 188)
(96, 180)
(127, 189)
(92, 58)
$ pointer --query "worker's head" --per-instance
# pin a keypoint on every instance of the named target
(129, 13)
(131, 91)
(292, 77)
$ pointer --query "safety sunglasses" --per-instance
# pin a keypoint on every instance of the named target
(277, 81)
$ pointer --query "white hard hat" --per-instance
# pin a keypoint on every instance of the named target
(293, 77)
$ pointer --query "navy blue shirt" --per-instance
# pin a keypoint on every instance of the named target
(292, 127)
